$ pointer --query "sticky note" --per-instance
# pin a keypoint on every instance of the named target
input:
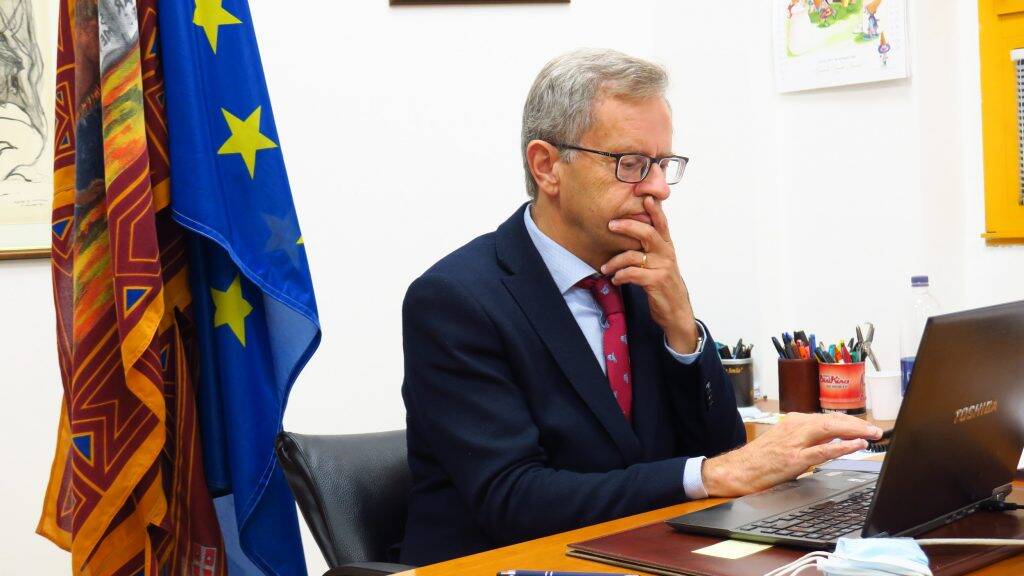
(732, 549)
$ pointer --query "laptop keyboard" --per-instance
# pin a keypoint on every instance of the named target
(825, 520)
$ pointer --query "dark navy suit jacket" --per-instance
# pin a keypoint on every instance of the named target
(512, 428)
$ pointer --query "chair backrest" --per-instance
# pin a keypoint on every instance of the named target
(353, 491)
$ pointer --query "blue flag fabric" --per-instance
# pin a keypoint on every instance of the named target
(253, 300)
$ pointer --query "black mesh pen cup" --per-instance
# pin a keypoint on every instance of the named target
(741, 373)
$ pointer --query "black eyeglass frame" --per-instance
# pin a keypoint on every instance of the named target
(651, 160)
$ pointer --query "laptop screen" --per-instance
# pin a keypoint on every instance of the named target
(960, 430)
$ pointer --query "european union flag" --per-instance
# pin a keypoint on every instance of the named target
(253, 297)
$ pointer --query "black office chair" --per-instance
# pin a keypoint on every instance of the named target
(353, 491)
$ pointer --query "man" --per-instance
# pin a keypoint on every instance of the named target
(555, 375)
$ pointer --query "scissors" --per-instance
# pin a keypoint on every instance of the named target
(864, 344)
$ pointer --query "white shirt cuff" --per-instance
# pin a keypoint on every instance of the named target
(690, 358)
(693, 482)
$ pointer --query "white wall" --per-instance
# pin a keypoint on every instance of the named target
(401, 128)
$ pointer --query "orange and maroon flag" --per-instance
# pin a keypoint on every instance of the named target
(127, 491)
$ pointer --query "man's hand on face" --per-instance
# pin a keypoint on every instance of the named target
(787, 450)
(660, 278)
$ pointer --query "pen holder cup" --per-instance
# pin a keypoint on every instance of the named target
(798, 385)
(741, 373)
(842, 388)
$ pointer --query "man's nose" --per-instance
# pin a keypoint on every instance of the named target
(654, 184)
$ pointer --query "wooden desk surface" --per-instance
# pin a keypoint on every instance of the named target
(549, 553)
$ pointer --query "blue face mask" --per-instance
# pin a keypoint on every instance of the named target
(876, 557)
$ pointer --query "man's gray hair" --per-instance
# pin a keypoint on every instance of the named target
(560, 105)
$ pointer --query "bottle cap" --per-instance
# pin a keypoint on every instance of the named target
(917, 281)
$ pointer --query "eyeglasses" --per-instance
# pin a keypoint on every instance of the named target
(632, 167)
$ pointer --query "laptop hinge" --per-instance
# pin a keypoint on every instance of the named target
(1001, 492)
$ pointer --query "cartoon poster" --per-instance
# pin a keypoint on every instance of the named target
(821, 43)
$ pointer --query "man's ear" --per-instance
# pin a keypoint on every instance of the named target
(541, 157)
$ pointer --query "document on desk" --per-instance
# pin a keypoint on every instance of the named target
(754, 415)
(852, 465)
(732, 549)
(859, 455)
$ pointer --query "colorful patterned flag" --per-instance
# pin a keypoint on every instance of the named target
(127, 491)
(254, 308)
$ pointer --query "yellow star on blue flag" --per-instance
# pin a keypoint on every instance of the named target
(246, 138)
(231, 309)
(210, 15)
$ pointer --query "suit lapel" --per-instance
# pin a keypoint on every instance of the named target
(534, 290)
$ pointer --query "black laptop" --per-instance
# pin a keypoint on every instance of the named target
(956, 444)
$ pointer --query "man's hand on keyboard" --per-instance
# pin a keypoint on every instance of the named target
(787, 450)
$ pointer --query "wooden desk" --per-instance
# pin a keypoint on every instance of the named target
(549, 553)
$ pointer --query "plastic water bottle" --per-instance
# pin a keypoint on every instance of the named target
(920, 307)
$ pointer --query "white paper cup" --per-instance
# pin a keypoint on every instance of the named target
(884, 398)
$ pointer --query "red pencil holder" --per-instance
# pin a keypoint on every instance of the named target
(842, 387)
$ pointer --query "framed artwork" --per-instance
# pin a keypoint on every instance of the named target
(422, 2)
(26, 133)
(822, 43)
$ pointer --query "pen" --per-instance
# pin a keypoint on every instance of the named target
(557, 573)
(723, 351)
(778, 347)
(790, 351)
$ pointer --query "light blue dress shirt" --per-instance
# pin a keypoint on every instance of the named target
(567, 269)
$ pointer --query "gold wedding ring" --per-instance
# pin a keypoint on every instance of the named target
(643, 263)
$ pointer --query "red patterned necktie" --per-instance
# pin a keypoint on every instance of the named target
(616, 350)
